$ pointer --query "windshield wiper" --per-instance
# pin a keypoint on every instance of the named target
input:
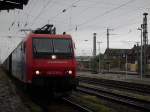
(34, 49)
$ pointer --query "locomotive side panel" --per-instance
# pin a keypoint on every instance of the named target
(18, 63)
(7, 64)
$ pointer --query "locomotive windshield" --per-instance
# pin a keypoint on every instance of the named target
(44, 47)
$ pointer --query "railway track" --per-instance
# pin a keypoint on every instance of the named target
(134, 87)
(68, 102)
(50, 104)
(44, 102)
(64, 104)
(117, 98)
(76, 105)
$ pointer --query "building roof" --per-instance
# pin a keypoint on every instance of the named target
(116, 52)
(136, 49)
(12, 4)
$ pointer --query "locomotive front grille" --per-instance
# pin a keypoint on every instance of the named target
(55, 83)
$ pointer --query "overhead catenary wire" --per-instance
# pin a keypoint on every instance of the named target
(118, 27)
(40, 13)
(22, 21)
(69, 28)
(121, 25)
(102, 2)
(105, 13)
(125, 24)
(73, 4)
(22, 13)
(29, 11)
(81, 11)
(64, 10)
(76, 25)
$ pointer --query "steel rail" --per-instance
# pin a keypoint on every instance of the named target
(141, 88)
(129, 101)
(78, 106)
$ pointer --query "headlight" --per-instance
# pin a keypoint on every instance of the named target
(37, 72)
(53, 57)
(70, 71)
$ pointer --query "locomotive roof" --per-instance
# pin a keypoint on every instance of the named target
(50, 35)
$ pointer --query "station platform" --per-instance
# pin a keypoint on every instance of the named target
(135, 78)
(9, 100)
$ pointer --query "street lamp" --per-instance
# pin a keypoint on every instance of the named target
(85, 41)
(141, 53)
(89, 63)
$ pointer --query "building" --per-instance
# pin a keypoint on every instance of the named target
(84, 63)
(135, 58)
(115, 59)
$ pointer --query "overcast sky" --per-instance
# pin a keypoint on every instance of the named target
(80, 18)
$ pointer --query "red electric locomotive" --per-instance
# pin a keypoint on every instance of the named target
(45, 59)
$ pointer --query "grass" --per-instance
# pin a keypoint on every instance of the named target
(92, 102)
(25, 100)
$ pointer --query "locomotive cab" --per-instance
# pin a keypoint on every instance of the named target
(51, 61)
